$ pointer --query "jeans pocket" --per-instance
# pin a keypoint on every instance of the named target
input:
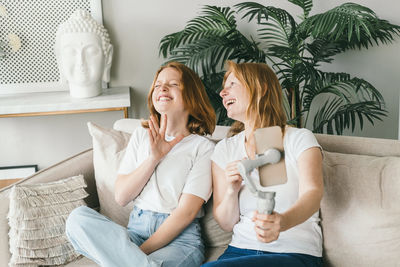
(136, 218)
(132, 216)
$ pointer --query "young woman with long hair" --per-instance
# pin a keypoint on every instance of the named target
(166, 172)
(291, 235)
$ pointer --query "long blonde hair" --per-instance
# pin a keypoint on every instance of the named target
(265, 107)
(202, 117)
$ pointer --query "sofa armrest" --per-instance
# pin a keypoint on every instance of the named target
(81, 163)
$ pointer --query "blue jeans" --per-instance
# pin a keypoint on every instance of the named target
(111, 245)
(237, 257)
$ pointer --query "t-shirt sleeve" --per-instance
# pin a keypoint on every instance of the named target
(219, 156)
(301, 140)
(130, 161)
(199, 181)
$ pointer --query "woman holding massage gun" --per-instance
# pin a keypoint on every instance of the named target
(291, 235)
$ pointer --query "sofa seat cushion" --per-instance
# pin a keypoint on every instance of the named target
(360, 210)
(82, 262)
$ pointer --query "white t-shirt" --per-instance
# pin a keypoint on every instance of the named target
(304, 238)
(185, 169)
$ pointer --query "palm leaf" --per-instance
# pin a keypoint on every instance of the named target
(339, 116)
(274, 34)
(262, 13)
(213, 84)
(265, 13)
(355, 24)
(347, 90)
(367, 91)
(213, 21)
(203, 56)
(323, 116)
(247, 50)
(350, 90)
(293, 71)
(327, 83)
(277, 26)
(287, 108)
(306, 5)
(323, 50)
(208, 55)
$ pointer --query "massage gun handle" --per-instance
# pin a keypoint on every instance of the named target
(266, 202)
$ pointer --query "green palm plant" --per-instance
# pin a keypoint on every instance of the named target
(295, 50)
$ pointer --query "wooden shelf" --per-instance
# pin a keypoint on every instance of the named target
(53, 103)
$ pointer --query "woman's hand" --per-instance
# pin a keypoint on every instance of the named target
(158, 146)
(267, 226)
(233, 177)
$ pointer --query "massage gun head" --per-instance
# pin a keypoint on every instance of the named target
(273, 155)
(270, 156)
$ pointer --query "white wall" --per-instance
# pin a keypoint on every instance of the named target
(46, 140)
(136, 27)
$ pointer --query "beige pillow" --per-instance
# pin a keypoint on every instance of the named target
(108, 150)
(212, 233)
(36, 217)
(360, 210)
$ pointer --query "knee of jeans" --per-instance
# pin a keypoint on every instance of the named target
(76, 220)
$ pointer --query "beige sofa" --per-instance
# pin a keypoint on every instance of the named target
(360, 210)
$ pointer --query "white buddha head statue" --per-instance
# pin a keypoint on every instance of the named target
(84, 54)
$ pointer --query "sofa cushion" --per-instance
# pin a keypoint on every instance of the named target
(37, 215)
(108, 150)
(82, 262)
(127, 125)
(212, 233)
(360, 210)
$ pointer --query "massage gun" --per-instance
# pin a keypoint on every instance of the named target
(266, 199)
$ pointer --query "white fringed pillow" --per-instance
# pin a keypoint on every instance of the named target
(36, 217)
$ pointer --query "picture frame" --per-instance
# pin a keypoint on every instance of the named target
(33, 68)
(12, 174)
(17, 172)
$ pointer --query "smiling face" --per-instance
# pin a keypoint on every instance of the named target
(167, 93)
(235, 98)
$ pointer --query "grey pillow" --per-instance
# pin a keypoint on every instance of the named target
(36, 217)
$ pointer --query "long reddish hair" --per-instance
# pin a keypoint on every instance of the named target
(202, 117)
(265, 107)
